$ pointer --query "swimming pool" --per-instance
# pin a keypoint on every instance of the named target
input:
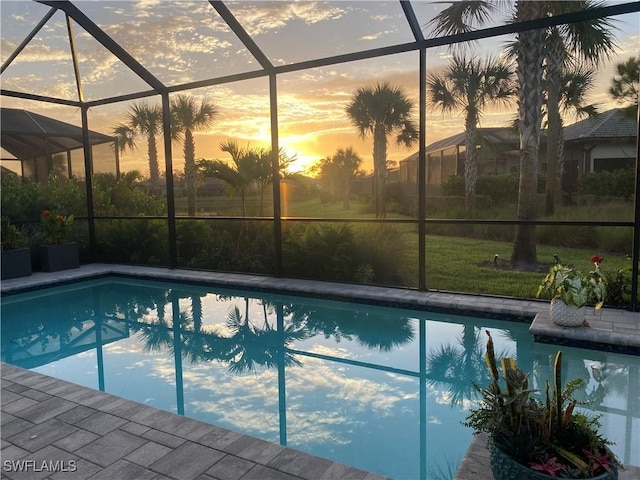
(382, 389)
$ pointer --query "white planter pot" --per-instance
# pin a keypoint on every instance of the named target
(567, 315)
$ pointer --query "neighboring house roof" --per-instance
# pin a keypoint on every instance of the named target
(610, 124)
(27, 135)
(492, 135)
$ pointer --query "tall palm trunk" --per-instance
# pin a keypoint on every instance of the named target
(380, 169)
(555, 54)
(196, 313)
(470, 162)
(154, 169)
(190, 171)
(529, 70)
(346, 203)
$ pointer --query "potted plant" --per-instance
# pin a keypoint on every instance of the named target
(16, 259)
(571, 290)
(58, 253)
(538, 436)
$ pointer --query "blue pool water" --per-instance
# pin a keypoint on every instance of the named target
(382, 389)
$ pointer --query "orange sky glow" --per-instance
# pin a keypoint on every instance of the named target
(180, 45)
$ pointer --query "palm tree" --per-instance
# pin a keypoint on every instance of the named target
(471, 85)
(625, 86)
(586, 42)
(530, 55)
(247, 164)
(380, 111)
(575, 85)
(187, 116)
(146, 120)
(264, 170)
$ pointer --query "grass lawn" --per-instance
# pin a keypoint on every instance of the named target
(453, 263)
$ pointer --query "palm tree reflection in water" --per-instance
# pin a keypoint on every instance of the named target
(458, 366)
(250, 346)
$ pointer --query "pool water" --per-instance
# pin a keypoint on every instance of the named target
(381, 389)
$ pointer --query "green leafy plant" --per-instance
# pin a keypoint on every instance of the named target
(546, 434)
(574, 287)
(56, 226)
(619, 287)
(11, 236)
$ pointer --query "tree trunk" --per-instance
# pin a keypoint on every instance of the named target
(555, 53)
(346, 205)
(470, 163)
(190, 171)
(154, 169)
(530, 47)
(380, 169)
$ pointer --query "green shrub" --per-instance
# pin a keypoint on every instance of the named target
(142, 242)
(501, 188)
(238, 246)
(26, 199)
(619, 287)
(342, 252)
(19, 198)
(453, 186)
(618, 183)
(382, 247)
(585, 236)
(124, 195)
(320, 251)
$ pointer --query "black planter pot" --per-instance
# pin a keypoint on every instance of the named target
(16, 263)
(506, 468)
(64, 256)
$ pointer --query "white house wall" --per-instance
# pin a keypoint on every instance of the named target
(625, 150)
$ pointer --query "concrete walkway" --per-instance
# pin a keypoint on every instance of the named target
(64, 431)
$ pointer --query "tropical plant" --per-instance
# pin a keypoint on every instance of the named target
(123, 195)
(56, 226)
(11, 235)
(188, 116)
(547, 435)
(471, 85)
(142, 119)
(380, 111)
(619, 287)
(264, 171)
(575, 287)
(625, 85)
(241, 174)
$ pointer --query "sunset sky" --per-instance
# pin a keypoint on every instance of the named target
(181, 42)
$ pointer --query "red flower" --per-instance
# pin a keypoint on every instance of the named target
(60, 218)
(597, 259)
(46, 213)
(550, 467)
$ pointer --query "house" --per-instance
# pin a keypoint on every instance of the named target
(604, 142)
(498, 152)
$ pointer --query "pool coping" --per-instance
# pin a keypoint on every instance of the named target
(610, 329)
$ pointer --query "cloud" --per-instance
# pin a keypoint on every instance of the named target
(261, 17)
